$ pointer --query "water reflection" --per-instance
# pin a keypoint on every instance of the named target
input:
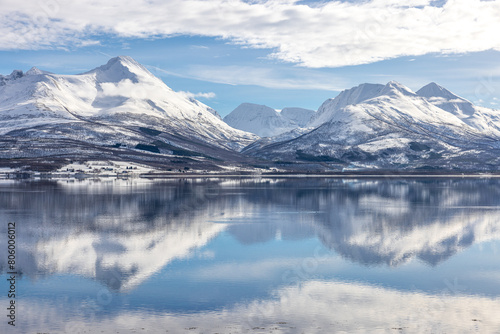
(125, 235)
(386, 222)
(314, 307)
(88, 227)
(117, 233)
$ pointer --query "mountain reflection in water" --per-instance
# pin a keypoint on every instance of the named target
(123, 234)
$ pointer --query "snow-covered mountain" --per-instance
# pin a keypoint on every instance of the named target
(444, 99)
(265, 121)
(483, 119)
(119, 102)
(121, 110)
(389, 126)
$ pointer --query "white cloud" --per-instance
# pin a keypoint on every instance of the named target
(329, 34)
(202, 47)
(209, 95)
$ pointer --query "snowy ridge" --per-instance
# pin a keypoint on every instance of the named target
(483, 119)
(444, 99)
(391, 126)
(265, 121)
(347, 97)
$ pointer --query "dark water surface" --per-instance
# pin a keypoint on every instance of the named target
(253, 256)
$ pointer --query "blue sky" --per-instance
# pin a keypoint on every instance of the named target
(281, 53)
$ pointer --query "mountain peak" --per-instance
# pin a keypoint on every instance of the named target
(434, 90)
(252, 110)
(358, 94)
(34, 71)
(444, 99)
(16, 74)
(123, 61)
(433, 85)
(268, 111)
(395, 87)
(120, 68)
(347, 97)
(265, 121)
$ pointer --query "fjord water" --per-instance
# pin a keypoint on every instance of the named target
(304, 255)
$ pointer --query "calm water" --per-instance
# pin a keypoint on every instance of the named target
(253, 256)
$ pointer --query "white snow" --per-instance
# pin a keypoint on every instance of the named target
(347, 97)
(103, 168)
(300, 116)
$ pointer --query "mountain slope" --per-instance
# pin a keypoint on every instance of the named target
(483, 119)
(265, 121)
(347, 97)
(118, 104)
(444, 99)
(386, 126)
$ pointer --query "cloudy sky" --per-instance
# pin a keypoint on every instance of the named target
(275, 52)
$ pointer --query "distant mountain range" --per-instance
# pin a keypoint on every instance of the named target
(391, 127)
(120, 111)
(267, 122)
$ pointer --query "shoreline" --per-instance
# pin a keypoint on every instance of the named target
(285, 175)
(333, 176)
